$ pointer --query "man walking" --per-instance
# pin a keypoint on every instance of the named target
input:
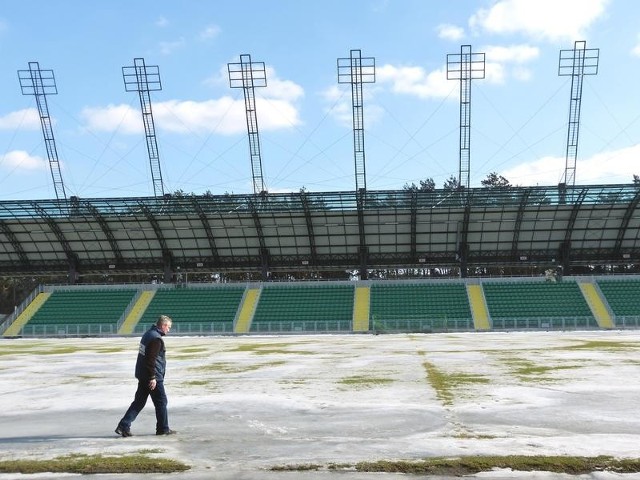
(150, 370)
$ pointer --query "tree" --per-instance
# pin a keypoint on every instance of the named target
(494, 180)
(636, 179)
(451, 183)
(427, 185)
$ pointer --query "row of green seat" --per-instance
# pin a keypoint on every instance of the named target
(519, 301)
(66, 307)
(392, 303)
(305, 303)
(622, 296)
(197, 305)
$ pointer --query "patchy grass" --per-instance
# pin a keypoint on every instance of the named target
(445, 384)
(192, 350)
(93, 464)
(528, 371)
(361, 381)
(48, 349)
(196, 383)
(232, 368)
(462, 466)
(602, 345)
(270, 349)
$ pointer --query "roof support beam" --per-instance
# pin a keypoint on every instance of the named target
(310, 234)
(107, 232)
(625, 224)
(72, 258)
(167, 257)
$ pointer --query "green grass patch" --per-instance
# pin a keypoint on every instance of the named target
(193, 350)
(270, 349)
(602, 345)
(462, 466)
(196, 383)
(528, 371)
(94, 464)
(361, 381)
(232, 368)
(48, 349)
(445, 384)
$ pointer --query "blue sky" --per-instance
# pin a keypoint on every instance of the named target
(519, 111)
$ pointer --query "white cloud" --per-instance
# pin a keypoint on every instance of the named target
(111, 118)
(415, 81)
(553, 20)
(211, 31)
(21, 160)
(636, 49)
(499, 60)
(616, 166)
(167, 48)
(162, 22)
(450, 32)
(281, 89)
(28, 118)
(275, 106)
(225, 116)
(513, 53)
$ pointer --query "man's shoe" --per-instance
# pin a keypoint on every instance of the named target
(168, 432)
(122, 432)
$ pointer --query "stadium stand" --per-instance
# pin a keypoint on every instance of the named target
(622, 297)
(528, 304)
(420, 307)
(378, 306)
(304, 308)
(195, 310)
(80, 312)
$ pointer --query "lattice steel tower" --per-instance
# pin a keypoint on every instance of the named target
(41, 83)
(357, 70)
(248, 75)
(578, 62)
(144, 79)
(465, 66)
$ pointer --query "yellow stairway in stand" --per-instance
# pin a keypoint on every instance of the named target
(479, 309)
(361, 309)
(247, 310)
(15, 328)
(136, 312)
(596, 305)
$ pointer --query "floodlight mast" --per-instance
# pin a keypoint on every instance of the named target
(41, 83)
(577, 63)
(357, 70)
(248, 75)
(144, 79)
(465, 66)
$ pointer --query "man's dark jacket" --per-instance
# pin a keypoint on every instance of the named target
(151, 363)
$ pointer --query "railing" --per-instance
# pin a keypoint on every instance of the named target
(422, 325)
(302, 326)
(544, 323)
(626, 321)
(69, 330)
(193, 328)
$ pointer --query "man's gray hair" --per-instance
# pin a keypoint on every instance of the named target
(163, 320)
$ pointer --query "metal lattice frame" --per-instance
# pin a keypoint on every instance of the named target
(144, 79)
(248, 75)
(465, 66)
(585, 225)
(577, 63)
(355, 71)
(41, 83)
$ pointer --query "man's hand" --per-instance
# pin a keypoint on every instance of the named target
(152, 384)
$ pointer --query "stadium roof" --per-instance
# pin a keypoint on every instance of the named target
(322, 231)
